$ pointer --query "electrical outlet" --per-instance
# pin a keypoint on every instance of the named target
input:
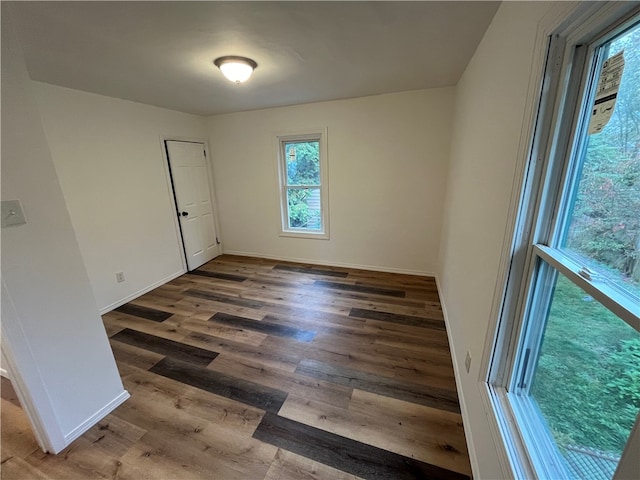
(120, 277)
(467, 362)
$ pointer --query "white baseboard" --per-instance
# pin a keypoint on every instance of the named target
(473, 459)
(140, 292)
(4, 373)
(375, 268)
(95, 418)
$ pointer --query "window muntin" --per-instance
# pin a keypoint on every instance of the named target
(561, 272)
(303, 190)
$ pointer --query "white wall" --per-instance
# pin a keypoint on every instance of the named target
(53, 337)
(108, 156)
(489, 117)
(387, 159)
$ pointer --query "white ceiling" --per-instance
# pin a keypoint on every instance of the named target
(161, 53)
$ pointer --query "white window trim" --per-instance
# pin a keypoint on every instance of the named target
(515, 459)
(319, 134)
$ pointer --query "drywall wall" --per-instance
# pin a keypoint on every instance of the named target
(489, 116)
(52, 333)
(387, 158)
(108, 155)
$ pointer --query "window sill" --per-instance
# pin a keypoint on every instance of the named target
(301, 234)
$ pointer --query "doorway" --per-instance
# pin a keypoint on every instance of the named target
(193, 194)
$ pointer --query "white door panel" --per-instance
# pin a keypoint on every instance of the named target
(192, 191)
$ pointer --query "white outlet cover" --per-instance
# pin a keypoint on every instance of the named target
(12, 213)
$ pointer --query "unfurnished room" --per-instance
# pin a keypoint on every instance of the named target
(286, 240)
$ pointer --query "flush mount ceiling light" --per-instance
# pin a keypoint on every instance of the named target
(236, 69)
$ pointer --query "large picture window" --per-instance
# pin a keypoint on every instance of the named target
(566, 368)
(302, 170)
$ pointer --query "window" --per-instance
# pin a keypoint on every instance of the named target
(302, 168)
(565, 372)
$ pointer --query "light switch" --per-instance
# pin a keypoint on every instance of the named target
(12, 213)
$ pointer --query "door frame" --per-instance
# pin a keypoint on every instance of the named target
(172, 196)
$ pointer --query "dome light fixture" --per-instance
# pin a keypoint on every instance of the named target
(236, 69)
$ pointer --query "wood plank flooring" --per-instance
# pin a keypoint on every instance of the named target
(256, 369)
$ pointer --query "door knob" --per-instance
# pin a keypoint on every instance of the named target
(184, 214)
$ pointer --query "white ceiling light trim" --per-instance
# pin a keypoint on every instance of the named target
(236, 69)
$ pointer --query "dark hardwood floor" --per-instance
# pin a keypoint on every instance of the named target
(262, 370)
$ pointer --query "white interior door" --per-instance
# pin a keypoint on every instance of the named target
(191, 186)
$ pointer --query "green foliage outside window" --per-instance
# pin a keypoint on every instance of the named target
(587, 381)
(606, 217)
(303, 162)
(303, 169)
(298, 208)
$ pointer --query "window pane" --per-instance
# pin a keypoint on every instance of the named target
(304, 208)
(303, 162)
(587, 381)
(603, 227)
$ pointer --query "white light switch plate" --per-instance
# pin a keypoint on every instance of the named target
(12, 213)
